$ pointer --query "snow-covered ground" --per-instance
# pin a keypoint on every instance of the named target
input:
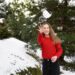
(13, 57)
(66, 72)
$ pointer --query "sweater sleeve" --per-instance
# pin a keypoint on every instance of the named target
(39, 38)
(59, 50)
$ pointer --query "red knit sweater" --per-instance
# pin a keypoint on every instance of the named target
(48, 48)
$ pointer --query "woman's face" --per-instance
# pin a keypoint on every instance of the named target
(46, 29)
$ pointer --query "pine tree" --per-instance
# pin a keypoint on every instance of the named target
(61, 20)
(23, 27)
(5, 31)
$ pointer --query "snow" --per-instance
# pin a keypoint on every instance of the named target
(60, 1)
(66, 72)
(1, 20)
(13, 56)
(39, 53)
(10, 1)
(69, 59)
(72, 3)
(45, 13)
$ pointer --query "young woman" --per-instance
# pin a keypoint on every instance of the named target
(51, 49)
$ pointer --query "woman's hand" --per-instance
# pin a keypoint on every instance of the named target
(54, 58)
(40, 29)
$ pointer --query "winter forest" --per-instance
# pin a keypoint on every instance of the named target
(20, 54)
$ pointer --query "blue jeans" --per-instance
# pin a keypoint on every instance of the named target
(50, 68)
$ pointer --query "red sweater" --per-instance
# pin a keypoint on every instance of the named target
(48, 48)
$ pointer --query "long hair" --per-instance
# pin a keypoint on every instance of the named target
(54, 37)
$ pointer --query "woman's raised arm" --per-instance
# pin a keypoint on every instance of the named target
(40, 35)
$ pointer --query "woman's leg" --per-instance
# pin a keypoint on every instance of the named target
(46, 67)
(55, 68)
(50, 68)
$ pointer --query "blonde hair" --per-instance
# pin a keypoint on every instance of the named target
(54, 37)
